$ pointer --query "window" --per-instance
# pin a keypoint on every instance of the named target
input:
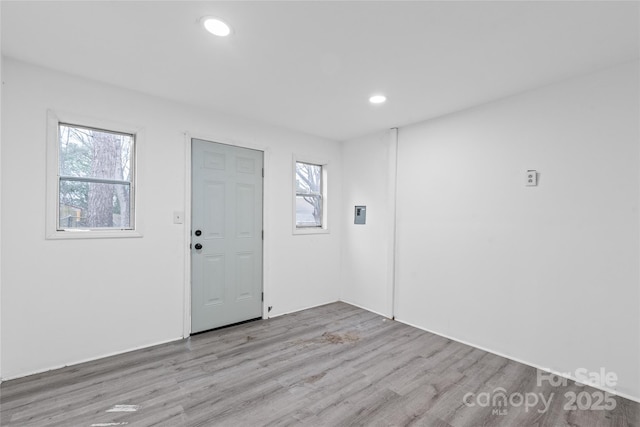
(310, 203)
(92, 183)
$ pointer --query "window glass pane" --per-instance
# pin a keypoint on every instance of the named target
(94, 205)
(308, 178)
(308, 211)
(92, 153)
(94, 178)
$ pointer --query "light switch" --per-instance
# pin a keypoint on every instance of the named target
(178, 217)
(532, 178)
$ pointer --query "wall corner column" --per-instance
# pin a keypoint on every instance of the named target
(391, 209)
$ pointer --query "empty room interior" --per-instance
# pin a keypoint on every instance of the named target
(323, 213)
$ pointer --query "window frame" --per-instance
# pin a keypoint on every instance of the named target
(53, 230)
(324, 228)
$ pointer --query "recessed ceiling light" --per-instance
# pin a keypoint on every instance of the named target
(377, 99)
(215, 26)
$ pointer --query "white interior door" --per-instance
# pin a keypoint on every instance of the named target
(226, 234)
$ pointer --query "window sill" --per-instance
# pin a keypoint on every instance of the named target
(310, 230)
(93, 234)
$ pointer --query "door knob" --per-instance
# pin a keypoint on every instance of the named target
(198, 232)
(198, 246)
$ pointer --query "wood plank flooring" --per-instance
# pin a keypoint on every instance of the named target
(335, 365)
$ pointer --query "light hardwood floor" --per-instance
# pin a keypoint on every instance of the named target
(335, 365)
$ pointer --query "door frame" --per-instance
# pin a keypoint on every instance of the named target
(266, 250)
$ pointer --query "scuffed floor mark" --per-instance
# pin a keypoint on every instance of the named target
(124, 408)
(327, 337)
(339, 339)
(313, 378)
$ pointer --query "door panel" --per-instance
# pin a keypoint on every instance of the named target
(213, 220)
(244, 269)
(227, 210)
(245, 198)
(245, 165)
(213, 267)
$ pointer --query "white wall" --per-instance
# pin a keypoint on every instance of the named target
(73, 300)
(1, 84)
(547, 275)
(366, 251)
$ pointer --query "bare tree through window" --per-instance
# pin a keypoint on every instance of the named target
(308, 195)
(95, 178)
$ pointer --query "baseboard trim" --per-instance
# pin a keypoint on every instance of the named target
(365, 308)
(116, 353)
(91, 359)
(515, 359)
(300, 309)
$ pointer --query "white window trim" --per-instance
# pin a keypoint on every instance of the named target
(325, 184)
(51, 215)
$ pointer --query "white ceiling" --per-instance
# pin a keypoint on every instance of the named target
(311, 66)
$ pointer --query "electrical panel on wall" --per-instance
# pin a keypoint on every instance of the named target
(360, 215)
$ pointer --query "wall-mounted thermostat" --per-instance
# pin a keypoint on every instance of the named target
(532, 178)
(360, 215)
